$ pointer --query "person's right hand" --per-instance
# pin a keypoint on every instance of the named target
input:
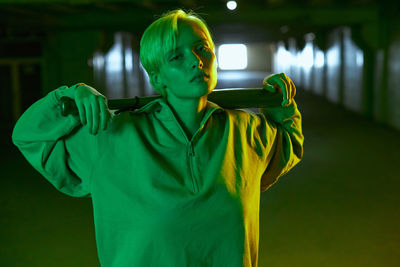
(92, 107)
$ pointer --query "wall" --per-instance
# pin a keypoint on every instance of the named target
(393, 89)
(339, 73)
(333, 65)
(105, 60)
(255, 61)
(66, 55)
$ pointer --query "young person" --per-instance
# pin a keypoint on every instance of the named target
(177, 182)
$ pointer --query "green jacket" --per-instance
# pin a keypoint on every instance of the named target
(160, 199)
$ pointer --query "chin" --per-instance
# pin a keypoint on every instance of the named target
(201, 89)
(204, 91)
(212, 85)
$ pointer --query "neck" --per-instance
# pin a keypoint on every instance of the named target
(189, 111)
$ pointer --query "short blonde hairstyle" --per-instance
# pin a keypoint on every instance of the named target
(160, 37)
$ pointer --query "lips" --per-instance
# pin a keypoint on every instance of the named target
(200, 75)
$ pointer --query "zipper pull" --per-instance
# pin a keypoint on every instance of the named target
(191, 150)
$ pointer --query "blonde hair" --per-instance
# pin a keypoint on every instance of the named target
(160, 37)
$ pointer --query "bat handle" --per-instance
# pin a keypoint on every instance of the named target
(67, 106)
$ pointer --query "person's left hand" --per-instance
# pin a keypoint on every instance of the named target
(281, 82)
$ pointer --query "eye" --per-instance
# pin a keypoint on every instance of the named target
(175, 58)
(203, 48)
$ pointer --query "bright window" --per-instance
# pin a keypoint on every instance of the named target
(232, 56)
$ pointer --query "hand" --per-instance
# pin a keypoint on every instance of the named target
(92, 107)
(282, 82)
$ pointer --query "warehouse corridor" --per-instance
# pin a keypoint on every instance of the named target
(338, 207)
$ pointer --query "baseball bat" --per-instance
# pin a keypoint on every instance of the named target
(232, 98)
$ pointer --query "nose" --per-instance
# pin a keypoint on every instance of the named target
(197, 62)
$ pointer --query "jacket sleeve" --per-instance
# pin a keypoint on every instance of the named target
(283, 135)
(58, 147)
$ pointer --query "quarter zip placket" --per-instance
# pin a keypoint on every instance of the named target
(190, 153)
(190, 146)
(190, 150)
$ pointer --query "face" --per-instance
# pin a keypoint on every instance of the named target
(193, 56)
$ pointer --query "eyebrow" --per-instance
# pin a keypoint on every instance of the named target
(179, 47)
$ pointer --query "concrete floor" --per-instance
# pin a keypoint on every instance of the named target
(338, 207)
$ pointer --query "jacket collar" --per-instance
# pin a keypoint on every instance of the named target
(160, 108)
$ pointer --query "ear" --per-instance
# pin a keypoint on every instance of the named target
(156, 80)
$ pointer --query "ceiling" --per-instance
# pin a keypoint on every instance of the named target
(255, 19)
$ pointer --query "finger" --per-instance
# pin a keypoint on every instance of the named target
(89, 116)
(103, 114)
(285, 79)
(289, 87)
(293, 87)
(95, 114)
(270, 88)
(110, 117)
(276, 79)
(81, 110)
(267, 86)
